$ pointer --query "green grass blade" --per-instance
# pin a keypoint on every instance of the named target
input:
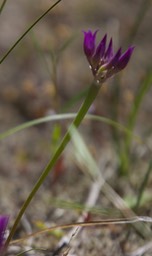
(2, 6)
(26, 32)
(59, 117)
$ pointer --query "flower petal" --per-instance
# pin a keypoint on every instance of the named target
(124, 59)
(100, 51)
(114, 61)
(89, 43)
(109, 52)
(97, 58)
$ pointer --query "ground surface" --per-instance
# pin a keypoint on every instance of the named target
(29, 89)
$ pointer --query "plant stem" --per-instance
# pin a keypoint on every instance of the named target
(92, 93)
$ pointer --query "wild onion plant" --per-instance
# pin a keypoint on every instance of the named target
(104, 63)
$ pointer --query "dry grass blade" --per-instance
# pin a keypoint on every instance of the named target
(120, 221)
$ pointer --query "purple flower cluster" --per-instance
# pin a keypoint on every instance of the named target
(103, 62)
(3, 226)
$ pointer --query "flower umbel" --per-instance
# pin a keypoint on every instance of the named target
(3, 226)
(103, 62)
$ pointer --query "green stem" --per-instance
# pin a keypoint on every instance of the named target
(26, 32)
(92, 93)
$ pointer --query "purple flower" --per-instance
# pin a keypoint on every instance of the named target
(103, 62)
(3, 226)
